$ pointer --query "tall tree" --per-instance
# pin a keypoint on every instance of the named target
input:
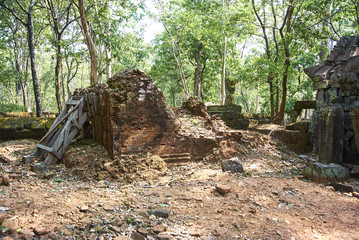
(59, 18)
(27, 19)
(89, 41)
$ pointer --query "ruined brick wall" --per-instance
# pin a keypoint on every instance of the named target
(133, 116)
(337, 84)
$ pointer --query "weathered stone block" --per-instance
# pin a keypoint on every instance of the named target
(331, 134)
(324, 173)
(354, 116)
(233, 165)
(301, 126)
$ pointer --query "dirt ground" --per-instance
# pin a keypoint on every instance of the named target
(91, 199)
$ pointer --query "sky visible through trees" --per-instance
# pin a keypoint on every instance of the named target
(246, 52)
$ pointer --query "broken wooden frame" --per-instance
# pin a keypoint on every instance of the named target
(65, 128)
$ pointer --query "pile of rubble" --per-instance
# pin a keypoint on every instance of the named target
(142, 133)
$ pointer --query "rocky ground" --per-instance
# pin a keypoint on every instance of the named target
(90, 198)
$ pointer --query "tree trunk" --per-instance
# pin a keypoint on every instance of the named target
(223, 76)
(108, 66)
(90, 44)
(256, 107)
(286, 42)
(271, 92)
(197, 90)
(277, 96)
(57, 75)
(31, 42)
(173, 96)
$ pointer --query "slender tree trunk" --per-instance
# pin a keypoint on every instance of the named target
(63, 83)
(57, 75)
(108, 66)
(285, 37)
(256, 107)
(197, 91)
(223, 76)
(173, 96)
(277, 96)
(271, 92)
(90, 44)
(31, 42)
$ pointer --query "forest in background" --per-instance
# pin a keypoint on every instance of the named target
(248, 52)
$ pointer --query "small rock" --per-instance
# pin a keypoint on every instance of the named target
(5, 180)
(49, 175)
(2, 218)
(38, 167)
(108, 208)
(117, 221)
(232, 165)
(341, 187)
(4, 209)
(28, 159)
(84, 208)
(159, 228)
(103, 183)
(54, 236)
(142, 231)
(159, 213)
(194, 232)
(125, 227)
(8, 238)
(11, 224)
(27, 234)
(223, 189)
(302, 156)
(122, 238)
(355, 172)
(41, 231)
(71, 227)
(137, 236)
(115, 228)
(164, 236)
(4, 159)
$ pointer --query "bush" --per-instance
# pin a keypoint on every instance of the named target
(11, 107)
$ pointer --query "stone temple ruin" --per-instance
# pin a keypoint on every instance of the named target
(128, 115)
(335, 123)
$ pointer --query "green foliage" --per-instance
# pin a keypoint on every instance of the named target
(117, 31)
(11, 107)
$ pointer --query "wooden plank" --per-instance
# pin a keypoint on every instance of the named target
(53, 126)
(48, 136)
(66, 140)
(77, 97)
(59, 141)
(50, 159)
(72, 102)
(49, 149)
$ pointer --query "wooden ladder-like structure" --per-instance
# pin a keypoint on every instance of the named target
(65, 128)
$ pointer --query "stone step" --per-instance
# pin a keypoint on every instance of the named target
(177, 158)
(164, 156)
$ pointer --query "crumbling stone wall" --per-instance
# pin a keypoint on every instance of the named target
(22, 125)
(337, 84)
(133, 116)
